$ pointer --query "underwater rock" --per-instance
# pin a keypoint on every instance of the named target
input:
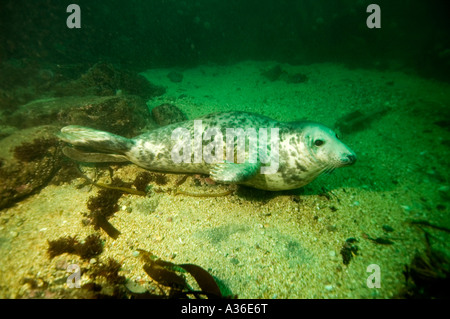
(123, 115)
(23, 80)
(296, 78)
(103, 79)
(166, 114)
(273, 73)
(30, 158)
(9, 99)
(357, 121)
(6, 130)
(277, 73)
(175, 77)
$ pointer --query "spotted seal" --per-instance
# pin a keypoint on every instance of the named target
(303, 150)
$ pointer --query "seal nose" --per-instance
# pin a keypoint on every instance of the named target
(351, 158)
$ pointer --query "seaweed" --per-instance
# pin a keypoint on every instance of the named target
(381, 240)
(160, 179)
(387, 228)
(116, 184)
(29, 152)
(428, 224)
(172, 276)
(61, 245)
(121, 189)
(181, 180)
(100, 221)
(90, 247)
(141, 181)
(428, 275)
(348, 250)
(165, 276)
(104, 205)
(205, 281)
(109, 271)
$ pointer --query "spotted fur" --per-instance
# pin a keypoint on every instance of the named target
(300, 159)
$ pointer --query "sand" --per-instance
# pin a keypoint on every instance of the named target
(265, 244)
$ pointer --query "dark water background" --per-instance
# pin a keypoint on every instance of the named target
(52, 76)
(164, 33)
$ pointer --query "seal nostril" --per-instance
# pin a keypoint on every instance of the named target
(351, 158)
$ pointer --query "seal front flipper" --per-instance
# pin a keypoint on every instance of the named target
(234, 172)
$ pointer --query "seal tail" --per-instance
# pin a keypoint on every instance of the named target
(90, 145)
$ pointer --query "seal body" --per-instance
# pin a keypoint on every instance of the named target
(297, 153)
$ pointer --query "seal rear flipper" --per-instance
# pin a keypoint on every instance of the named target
(234, 172)
(89, 157)
(94, 139)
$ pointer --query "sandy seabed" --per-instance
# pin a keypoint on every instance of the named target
(267, 244)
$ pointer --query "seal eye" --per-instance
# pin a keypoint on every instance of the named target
(318, 142)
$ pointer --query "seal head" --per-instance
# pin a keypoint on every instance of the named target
(325, 147)
(307, 149)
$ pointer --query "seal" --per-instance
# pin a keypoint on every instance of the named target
(299, 151)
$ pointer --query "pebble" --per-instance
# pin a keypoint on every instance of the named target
(234, 261)
(92, 261)
(135, 287)
(61, 264)
(329, 287)
(135, 253)
(406, 208)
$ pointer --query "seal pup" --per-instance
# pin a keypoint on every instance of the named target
(303, 150)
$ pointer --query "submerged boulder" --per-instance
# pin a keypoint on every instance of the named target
(28, 160)
(104, 79)
(167, 113)
(124, 115)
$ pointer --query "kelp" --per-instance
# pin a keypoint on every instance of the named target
(90, 247)
(172, 276)
(428, 275)
(111, 186)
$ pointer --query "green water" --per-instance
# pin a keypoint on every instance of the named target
(379, 78)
